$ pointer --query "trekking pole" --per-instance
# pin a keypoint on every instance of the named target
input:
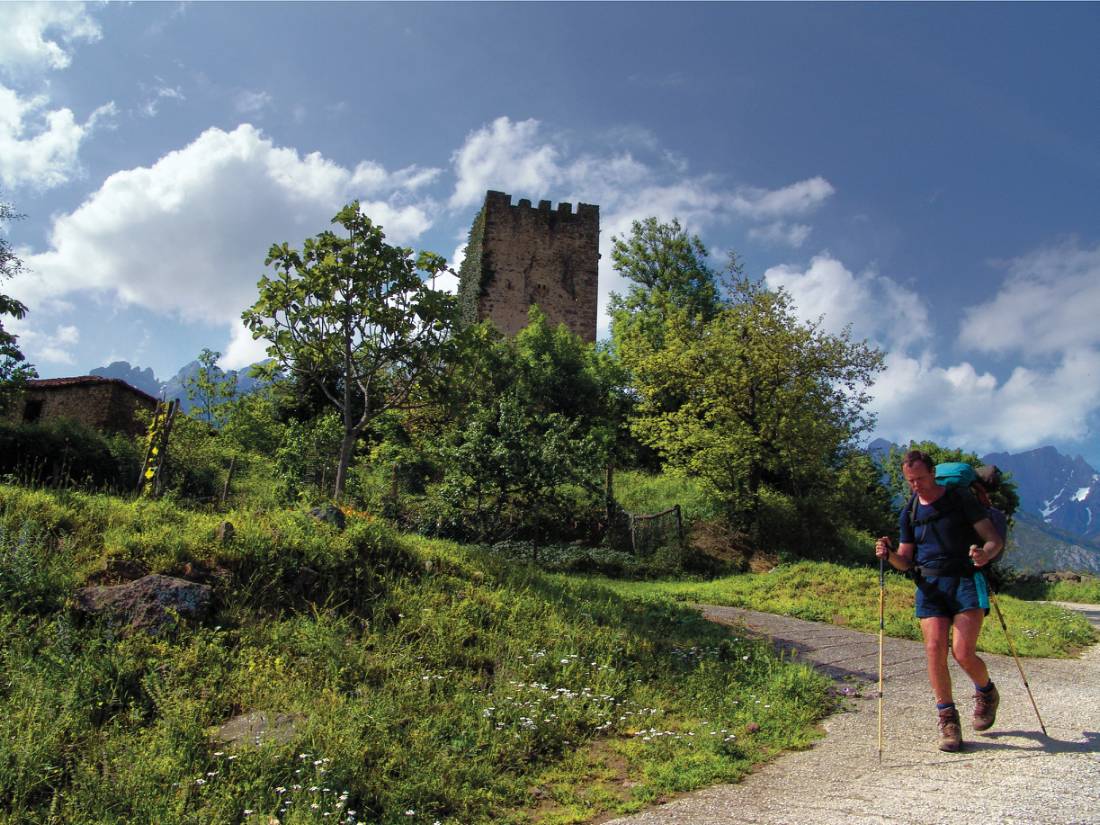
(1012, 647)
(881, 633)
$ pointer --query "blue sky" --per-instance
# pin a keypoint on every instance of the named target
(928, 173)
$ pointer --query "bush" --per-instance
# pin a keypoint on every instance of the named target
(66, 453)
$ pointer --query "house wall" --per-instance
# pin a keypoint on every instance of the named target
(104, 406)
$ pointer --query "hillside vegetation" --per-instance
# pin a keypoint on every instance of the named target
(424, 681)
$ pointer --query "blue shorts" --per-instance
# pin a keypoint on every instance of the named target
(948, 595)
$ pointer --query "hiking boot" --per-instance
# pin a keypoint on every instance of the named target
(985, 708)
(950, 730)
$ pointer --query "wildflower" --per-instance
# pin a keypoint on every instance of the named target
(410, 812)
(219, 753)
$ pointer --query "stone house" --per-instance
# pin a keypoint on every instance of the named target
(105, 404)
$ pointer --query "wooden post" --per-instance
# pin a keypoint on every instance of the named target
(158, 480)
(228, 478)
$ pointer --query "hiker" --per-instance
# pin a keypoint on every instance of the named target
(952, 592)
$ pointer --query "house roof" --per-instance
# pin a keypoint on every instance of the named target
(85, 380)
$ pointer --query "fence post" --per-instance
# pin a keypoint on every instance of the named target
(633, 545)
(228, 478)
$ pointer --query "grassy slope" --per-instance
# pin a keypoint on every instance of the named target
(429, 683)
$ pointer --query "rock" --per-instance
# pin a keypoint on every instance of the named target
(331, 515)
(152, 603)
(257, 727)
(225, 532)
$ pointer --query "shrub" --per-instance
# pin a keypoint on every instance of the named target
(66, 453)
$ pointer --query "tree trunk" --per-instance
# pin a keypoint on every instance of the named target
(346, 447)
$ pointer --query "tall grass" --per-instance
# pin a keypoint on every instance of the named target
(848, 596)
(420, 681)
(1085, 591)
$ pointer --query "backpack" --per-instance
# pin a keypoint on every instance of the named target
(956, 475)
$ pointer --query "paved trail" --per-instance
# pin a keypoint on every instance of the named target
(1012, 775)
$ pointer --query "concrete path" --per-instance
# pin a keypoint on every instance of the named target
(1011, 775)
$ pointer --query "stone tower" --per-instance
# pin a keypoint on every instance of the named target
(520, 255)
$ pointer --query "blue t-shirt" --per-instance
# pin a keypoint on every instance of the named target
(949, 519)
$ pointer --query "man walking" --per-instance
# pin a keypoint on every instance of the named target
(937, 541)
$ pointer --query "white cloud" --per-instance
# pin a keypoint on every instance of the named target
(370, 178)
(796, 199)
(780, 232)
(39, 148)
(916, 397)
(876, 307)
(958, 406)
(152, 106)
(188, 235)
(504, 155)
(46, 347)
(1048, 305)
(250, 103)
(38, 36)
(242, 349)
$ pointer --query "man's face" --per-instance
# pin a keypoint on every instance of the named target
(920, 479)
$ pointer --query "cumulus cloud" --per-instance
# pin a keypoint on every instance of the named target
(1048, 305)
(251, 103)
(874, 306)
(37, 36)
(960, 406)
(504, 154)
(39, 148)
(796, 199)
(919, 397)
(44, 347)
(187, 236)
(780, 232)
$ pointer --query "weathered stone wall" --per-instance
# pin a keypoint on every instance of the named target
(521, 255)
(103, 404)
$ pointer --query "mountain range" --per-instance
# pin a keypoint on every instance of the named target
(174, 387)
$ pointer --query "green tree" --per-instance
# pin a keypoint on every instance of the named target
(668, 275)
(767, 399)
(665, 267)
(211, 389)
(531, 428)
(14, 370)
(360, 306)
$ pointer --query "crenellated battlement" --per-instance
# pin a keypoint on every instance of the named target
(519, 255)
(502, 200)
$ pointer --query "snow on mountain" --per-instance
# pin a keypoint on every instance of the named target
(1063, 491)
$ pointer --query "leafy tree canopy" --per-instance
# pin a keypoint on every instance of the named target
(211, 389)
(354, 304)
(766, 398)
(13, 367)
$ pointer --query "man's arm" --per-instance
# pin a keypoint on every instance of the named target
(992, 543)
(900, 560)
